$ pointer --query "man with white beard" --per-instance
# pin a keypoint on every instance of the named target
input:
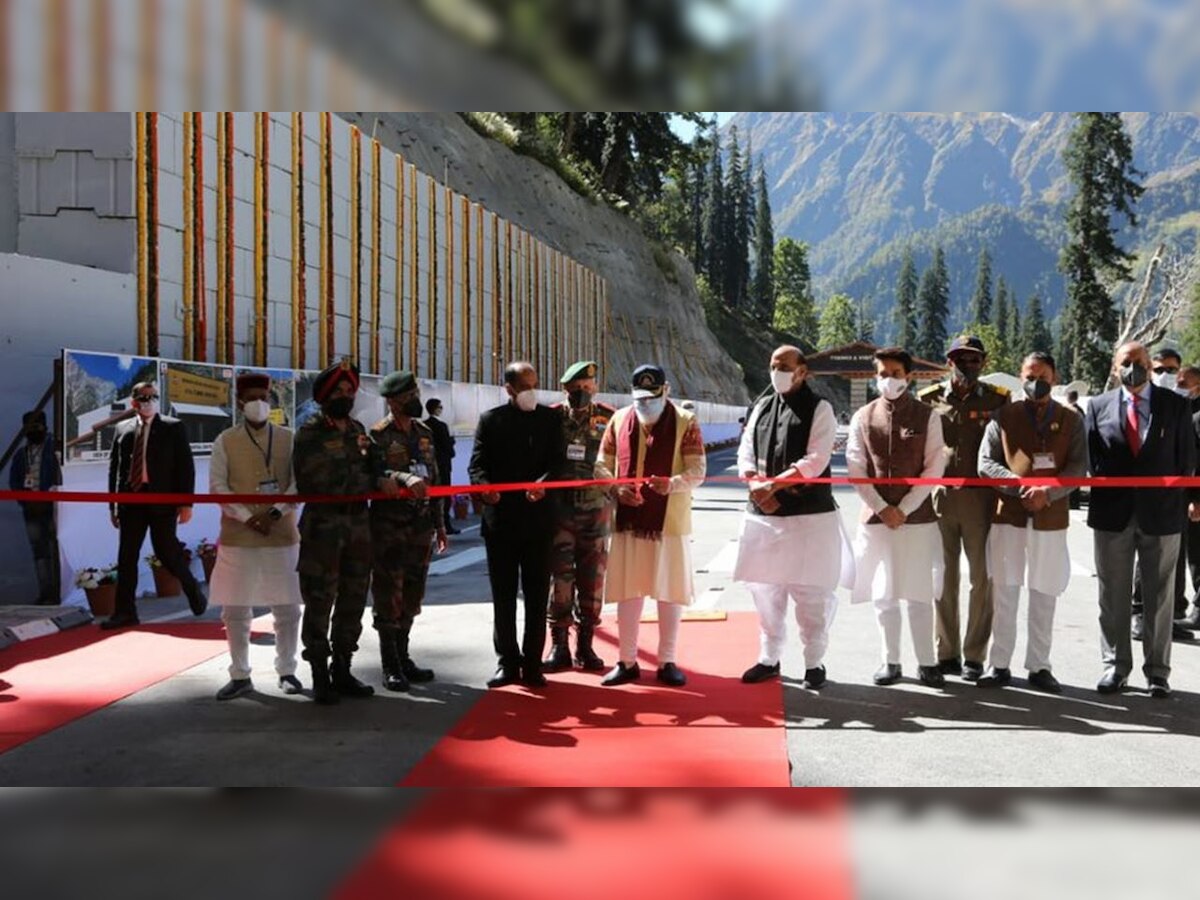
(789, 436)
(898, 549)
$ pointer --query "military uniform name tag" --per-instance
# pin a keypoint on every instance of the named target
(576, 452)
(1044, 461)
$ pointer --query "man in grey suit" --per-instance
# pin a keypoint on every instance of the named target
(1137, 430)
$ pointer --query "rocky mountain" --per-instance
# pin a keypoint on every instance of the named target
(860, 187)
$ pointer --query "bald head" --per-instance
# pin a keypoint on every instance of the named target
(788, 361)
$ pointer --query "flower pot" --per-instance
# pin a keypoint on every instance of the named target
(166, 584)
(102, 599)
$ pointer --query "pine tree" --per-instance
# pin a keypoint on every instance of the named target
(933, 304)
(865, 323)
(795, 310)
(714, 218)
(1000, 352)
(1036, 334)
(763, 293)
(906, 303)
(839, 324)
(1099, 162)
(981, 300)
(738, 212)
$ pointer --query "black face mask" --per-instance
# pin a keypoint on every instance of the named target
(968, 371)
(36, 435)
(579, 398)
(412, 408)
(339, 407)
(1037, 389)
(1134, 375)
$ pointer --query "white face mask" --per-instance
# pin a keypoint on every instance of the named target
(891, 388)
(256, 411)
(649, 409)
(147, 410)
(1166, 380)
(781, 381)
(526, 401)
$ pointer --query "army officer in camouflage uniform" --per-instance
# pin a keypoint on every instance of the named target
(403, 531)
(332, 454)
(582, 524)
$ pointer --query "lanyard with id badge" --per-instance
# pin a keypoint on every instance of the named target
(1043, 460)
(268, 485)
(33, 465)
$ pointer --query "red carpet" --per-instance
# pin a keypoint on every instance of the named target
(614, 844)
(50, 681)
(715, 732)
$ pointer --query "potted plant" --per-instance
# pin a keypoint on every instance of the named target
(207, 552)
(100, 585)
(166, 584)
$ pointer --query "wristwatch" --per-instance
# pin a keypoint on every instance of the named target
(275, 514)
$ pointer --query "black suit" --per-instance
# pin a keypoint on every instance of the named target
(1138, 522)
(443, 451)
(514, 446)
(171, 470)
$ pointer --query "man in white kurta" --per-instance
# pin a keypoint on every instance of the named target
(1027, 544)
(259, 544)
(659, 444)
(898, 548)
(792, 543)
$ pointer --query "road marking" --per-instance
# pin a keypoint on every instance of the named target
(458, 561)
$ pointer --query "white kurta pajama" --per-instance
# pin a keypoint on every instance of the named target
(804, 557)
(903, 564)
(248, 576)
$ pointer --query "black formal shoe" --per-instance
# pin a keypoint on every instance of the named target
(972, 671)
(236, 688)
(814, 679)
(505, 675)
(120, 621)
(290, 684)
(950, 666)
(450, 529)
(532, 677)
(415, 673)
(197, 601)
(888, 673)
(1110, 682)
(621, 674)
(931, 676)
(760, 672)
(1044, 680)
(995, 678)
(670, 675)
(1159, 689)
(1136, 628)
(1192, 620)
(1180, 632)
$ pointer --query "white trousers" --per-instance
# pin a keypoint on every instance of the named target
(814, 609)
(629, 618)
(237, 621)
(920, 626)
(1040, 614)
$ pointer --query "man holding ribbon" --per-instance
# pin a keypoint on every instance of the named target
(1027, 544)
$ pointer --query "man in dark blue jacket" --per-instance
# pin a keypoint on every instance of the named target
(1137, 430)
(35, 468)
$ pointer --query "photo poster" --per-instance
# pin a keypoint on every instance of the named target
(282, 394)
(369, 406)
(200, 395)
(96, 390)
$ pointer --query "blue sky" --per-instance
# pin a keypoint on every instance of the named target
(113, 369)
(686, 130)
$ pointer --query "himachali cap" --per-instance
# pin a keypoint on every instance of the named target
(397, 383)
(332, 377)
(585, 369)
(967, 342)
(648, 381)
(248, 381)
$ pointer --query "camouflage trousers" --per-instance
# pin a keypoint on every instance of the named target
(578, 558)
(335, 573)
(402, 551)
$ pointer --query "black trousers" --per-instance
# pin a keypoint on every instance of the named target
(43, 541)
(136, 520)
(446, 478)
(521, 557)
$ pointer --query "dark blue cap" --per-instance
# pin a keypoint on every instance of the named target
(648, 381)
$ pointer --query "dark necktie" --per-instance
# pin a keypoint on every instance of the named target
(138, 464)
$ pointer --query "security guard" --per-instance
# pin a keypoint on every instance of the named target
(582, 524)
(333, 454)
(966, 405)
(403, 531)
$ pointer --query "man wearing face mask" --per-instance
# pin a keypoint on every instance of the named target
(966, 405)
(403, 532)
(519, 442)
(897, 550)
(150, 454)
(582, 524)
(1027, 544)
(790, 436)
(1137, 430)
(35, 468)
(1189, 387)
(659, 444)
(334, 455)
(259, 545)
(443, 450)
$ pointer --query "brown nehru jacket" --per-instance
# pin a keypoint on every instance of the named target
(894, 435)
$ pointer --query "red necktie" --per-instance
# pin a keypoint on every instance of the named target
(137, 465)
(1132, 435)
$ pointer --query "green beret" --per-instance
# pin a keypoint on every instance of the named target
(397, 383)
(585, 369)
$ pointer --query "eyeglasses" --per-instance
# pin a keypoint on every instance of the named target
(145, 398)
(1159, 370)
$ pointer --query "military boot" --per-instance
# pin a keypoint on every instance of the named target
(345, 683)
(393, 676)
(322, 690)
(411, 670)
(559, 657)
(585, 656)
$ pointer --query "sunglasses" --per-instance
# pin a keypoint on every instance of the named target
(145, 398)
(1158, 370)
